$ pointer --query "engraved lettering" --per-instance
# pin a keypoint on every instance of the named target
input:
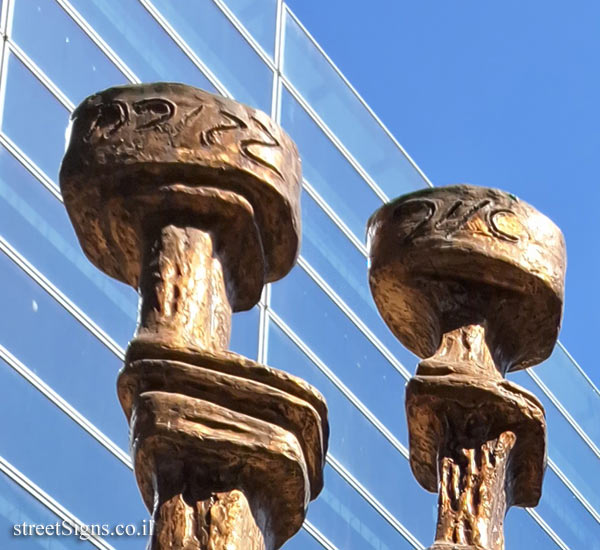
(505, 224)
(268, 141)
(502, 223)
(452, 221)
(210, 136)
(108, 119)
(153, 112)
(409, 209)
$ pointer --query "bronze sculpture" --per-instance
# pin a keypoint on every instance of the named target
(194, 200)
(470, 279)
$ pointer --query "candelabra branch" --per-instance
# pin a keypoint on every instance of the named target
(193, 199)
(471, 279)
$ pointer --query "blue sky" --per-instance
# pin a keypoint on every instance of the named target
(502, 94)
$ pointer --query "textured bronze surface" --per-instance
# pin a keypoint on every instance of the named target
(470, 279)
(443, 257)
(193, 199)
(170, 151)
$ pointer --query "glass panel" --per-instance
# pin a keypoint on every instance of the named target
(64, 461)
(579, 397)
(349, 521)
(342, 347)
(359, 446)
(522, 532)
(140, 42)
(302, 540)
(344, 268)
(244, 333)
(566, 515)
(50, 342)
(62, 50)
(313, 76)
(17, 506)
(326, 169)
(226, 53)
(34, 119)
(564, 443)
(37, 225)
(259, 18)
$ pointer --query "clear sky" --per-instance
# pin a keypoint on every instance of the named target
(501, 94)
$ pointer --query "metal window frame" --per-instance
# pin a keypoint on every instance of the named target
(9, 47)
(358, 96)
(20, 479)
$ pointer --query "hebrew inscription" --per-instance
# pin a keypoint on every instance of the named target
(217, 127)
(425, 216)
(194, 200)
(471, 280)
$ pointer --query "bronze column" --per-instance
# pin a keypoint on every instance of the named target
(193, 199)
(471, 279)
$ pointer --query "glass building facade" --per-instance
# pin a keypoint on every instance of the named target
(64, 325)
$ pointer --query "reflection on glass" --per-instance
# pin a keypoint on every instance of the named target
(349, 521)
(63, 460)
(140, 42)
(260, 22)
(344, 268)
(566, 515)
(62, 50)
(522, 532)
(579, 397)
(51, 343)
(359, 446)
(313, 76)
(34, 119)
(342, 347)
(564, 443)
(17, 506)
(302, 540)
(222, 48)
(327, 170)
(244, 333)
(34, 222)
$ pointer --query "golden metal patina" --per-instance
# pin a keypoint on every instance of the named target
(472, 280)
(193, 199)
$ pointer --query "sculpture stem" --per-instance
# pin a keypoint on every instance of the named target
(223, 521)
(464, 350)
(183, 292)
(472, 498)
(184, 303)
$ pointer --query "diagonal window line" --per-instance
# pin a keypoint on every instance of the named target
(564, 412)
(549, 531)
(83, 318)
(333, 216)
(55, 292)
(357, 95)
(373, 502)
(49, 502)
(563, 477)
(184, 47)
(64, 406)
(40, 75)
(121, 455)
(40, 176)
(352, 316)
(334, 139)
(318, 536)
(339, 384)
(30, 166)
(246, 35)
(90, 32)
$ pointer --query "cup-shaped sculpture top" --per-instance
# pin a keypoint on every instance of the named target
(447, 257)
(171, 151)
